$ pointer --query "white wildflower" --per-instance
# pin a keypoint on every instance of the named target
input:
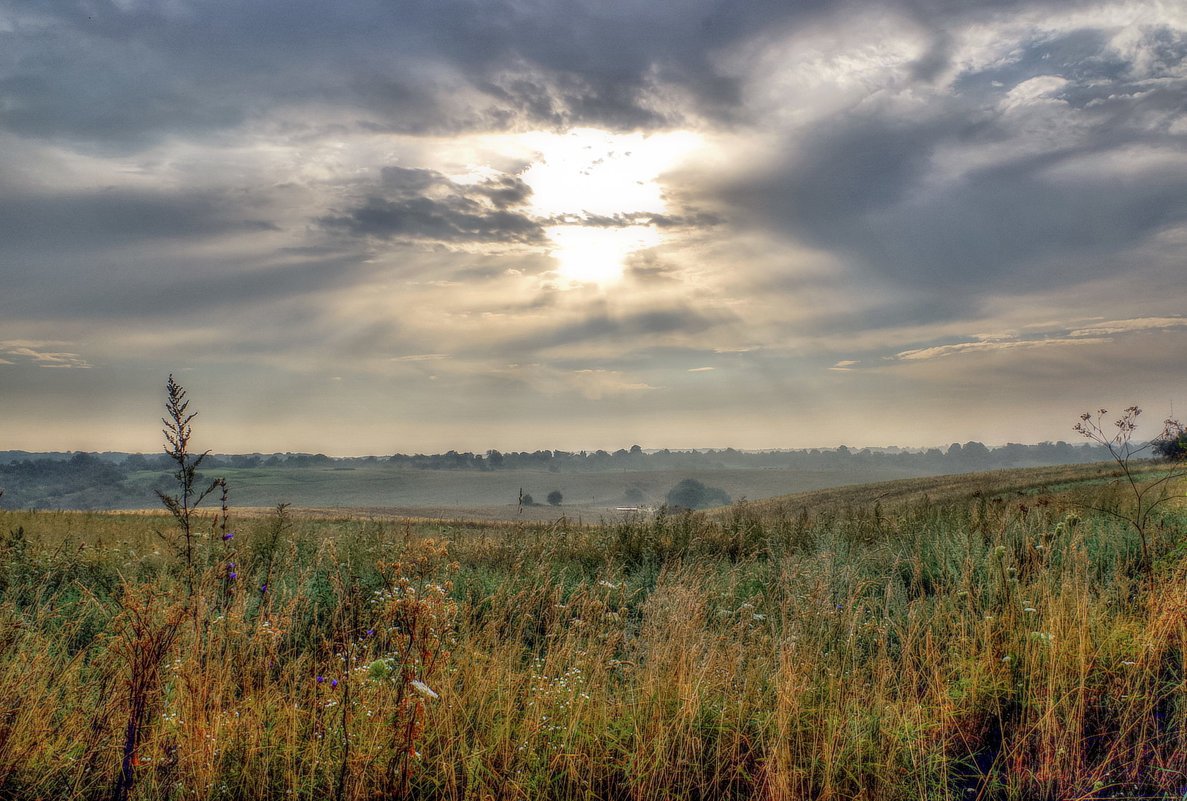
(423, 688)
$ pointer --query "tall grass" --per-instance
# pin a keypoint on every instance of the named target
(976, 648)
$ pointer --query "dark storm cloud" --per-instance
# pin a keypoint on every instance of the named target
(420, 204)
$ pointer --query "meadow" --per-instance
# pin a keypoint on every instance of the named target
(994, 636)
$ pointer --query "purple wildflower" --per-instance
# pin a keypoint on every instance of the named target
(333, 682)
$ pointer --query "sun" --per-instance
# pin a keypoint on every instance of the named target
(593, 255)
(600, 187)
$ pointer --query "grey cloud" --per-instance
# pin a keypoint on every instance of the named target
(505, 192)
(861, 183)
(151, 285)
(119, 76)
(90, 220)
(420, 204)
(690, 219)
(635, 328)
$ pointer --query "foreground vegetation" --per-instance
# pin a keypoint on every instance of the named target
(997, 643)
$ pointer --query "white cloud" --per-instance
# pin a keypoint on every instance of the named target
(35, 351)
(1131, 325)
(962, 348)
(598, 384)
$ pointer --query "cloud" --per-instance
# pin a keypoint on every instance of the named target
(1127, 326)
(36, 352)
(597, 384)
(419, 67)
(84, 221)
(978, 182)
(423, 204)
(637, 328)
(961, 348)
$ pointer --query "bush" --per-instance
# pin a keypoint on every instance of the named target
(555, 498)
(692, 494)
(1172, 445)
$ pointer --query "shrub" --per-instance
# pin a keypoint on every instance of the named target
(1172, 445)
(692, 494)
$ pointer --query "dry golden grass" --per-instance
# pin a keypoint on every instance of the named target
(927, 639)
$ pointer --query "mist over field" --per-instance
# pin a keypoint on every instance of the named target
(588, 485)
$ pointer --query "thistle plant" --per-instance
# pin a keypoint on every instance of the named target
(178, 432)
(1145, 496)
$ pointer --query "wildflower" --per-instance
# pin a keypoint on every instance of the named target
(333, 682)
(263, 588)
(423, 688)
(321, 679)
(227, 536)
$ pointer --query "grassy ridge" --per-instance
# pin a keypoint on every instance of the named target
(927, 639)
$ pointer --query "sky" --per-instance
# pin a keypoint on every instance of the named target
(377, 226)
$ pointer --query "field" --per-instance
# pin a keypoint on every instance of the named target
(472, 495)
(999, 636)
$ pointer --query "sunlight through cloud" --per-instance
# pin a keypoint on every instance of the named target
(595, 255)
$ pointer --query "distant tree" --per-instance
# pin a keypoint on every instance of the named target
(527, 500)
(692, 494)
(135, 462)
(1172, 444)
(555, 498)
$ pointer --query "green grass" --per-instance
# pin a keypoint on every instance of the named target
(974, 637)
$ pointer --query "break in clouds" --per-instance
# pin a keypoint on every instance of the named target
(387, 226)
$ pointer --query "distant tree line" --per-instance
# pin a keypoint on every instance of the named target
(58, 483)
(955, 458)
